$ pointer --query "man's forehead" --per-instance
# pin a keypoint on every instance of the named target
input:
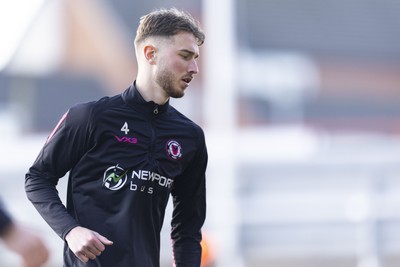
(186, 41)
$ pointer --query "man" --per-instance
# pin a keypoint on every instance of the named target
(22, 241)
(125, 155)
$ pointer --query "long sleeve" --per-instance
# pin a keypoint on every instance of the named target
(5, 220)
(62, 150)
(189, 200)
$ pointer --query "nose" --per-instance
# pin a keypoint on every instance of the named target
(193, 68)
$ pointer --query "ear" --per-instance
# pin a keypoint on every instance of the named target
(149, 53)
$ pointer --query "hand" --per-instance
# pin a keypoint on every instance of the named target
(85, 243)
(27, 244)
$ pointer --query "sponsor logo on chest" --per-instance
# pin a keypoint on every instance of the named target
(116, 177)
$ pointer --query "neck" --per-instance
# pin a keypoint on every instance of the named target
(150, 91)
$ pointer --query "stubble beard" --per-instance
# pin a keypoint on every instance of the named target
(165, 80)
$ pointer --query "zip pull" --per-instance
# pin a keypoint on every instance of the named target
(155, 110)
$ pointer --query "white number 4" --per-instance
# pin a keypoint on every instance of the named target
(125, 128)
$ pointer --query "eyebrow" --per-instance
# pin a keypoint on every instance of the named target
(189, 52)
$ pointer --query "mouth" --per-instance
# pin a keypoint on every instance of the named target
(187, 80)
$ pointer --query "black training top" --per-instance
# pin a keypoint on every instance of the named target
(125, 157)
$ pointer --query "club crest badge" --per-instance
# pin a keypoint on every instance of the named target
(174, 150)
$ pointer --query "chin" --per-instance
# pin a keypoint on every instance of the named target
(180, 95)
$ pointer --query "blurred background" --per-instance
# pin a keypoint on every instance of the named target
(299, 101)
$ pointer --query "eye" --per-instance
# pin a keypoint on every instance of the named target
(186, 56)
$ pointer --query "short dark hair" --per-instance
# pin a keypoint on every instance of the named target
(167, 23)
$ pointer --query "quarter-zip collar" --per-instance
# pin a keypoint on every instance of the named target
(134, 99)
